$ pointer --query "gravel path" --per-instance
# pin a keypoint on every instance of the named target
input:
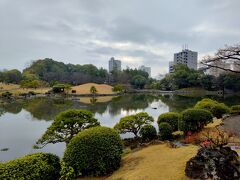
(233, 124)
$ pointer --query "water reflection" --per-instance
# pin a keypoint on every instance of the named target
(2, 111)
(24, 121)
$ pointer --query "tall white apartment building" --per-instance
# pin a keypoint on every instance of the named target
(171, 63)
(186, 57)
(114, 64)
(146, 69)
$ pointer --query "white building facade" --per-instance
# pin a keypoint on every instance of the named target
(171, 63)
(114, 64)
(187, 57)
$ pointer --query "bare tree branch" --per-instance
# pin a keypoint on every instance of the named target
(229, 54)
(214, 66)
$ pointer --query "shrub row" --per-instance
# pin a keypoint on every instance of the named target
(196, 118)
(235, 109)
(172, 118)
(165, 131)
(189, 120)
(148, 132)
(97, 150)
(34, 166)
(216, 108)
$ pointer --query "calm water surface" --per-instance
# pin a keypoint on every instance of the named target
(23, 122)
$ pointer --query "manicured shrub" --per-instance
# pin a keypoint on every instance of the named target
(33, 166)
(235, 109)
(165, 131)
(118, 88)
(95, 151)
(216, 108)
(133, 123)
(195, 119)
(148, 132)
(66, 125)
(171, 118)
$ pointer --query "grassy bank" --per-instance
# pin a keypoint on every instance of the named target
(194, 91)
(155, 162)
(15, 89)
(85, 88)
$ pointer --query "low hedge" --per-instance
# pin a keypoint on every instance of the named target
(171, 118)
(195, 119)
(165, 131)
(95, 151)
(36, 166)
(235, 109)
(216, 108)
(148, 132)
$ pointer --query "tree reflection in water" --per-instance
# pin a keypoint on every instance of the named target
(48, 108)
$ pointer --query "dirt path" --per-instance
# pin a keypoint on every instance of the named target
(157, 162)
(233, 124)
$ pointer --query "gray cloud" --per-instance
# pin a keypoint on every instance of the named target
(91, 31)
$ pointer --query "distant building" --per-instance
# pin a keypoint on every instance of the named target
(186, 57)
(146, 69)
(114, 64)
(171, 63)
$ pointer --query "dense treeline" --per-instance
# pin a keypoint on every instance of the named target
(10, 76)
(47, 71)
(183, 77)
(135, 77)
(51, 71)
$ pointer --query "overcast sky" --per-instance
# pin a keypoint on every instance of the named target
(138, 32)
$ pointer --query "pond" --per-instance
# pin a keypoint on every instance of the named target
(24, 121)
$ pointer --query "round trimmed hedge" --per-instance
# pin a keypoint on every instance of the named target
(165, 131)
(171, 118)
(216, 108)
(195, 119)
(95, 151)
(33, 166)
(148, 132)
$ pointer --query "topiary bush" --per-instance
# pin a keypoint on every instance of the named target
(33, 166)
(216, 108)
(171, 118)
(66, 125)
(95, 151)
(133, 123)
(195, 119)
(235, 109)
(148, 132)
(165, 131)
